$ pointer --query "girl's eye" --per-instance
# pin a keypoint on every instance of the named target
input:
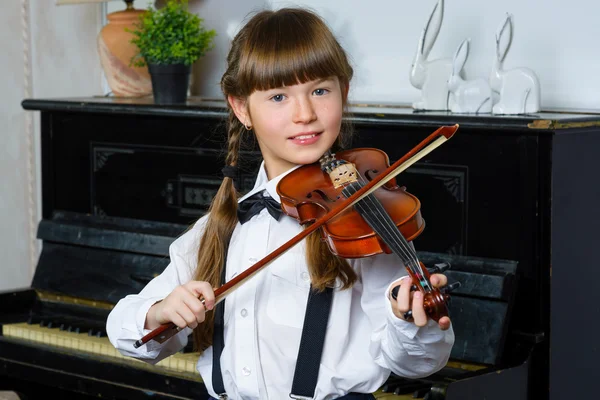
(278, 98)
(320, 92)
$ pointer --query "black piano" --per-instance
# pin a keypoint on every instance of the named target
(507, 202)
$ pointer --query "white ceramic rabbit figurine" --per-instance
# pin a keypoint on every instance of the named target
(468, 96)
(518, 89)
(431, 76)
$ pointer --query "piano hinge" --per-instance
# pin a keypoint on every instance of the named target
(56, 298)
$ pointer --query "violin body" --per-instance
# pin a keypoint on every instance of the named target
(383, 220)
(307, 194)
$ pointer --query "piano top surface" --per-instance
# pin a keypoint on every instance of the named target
(360, 112)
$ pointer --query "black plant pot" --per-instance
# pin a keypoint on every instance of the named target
(169, 82)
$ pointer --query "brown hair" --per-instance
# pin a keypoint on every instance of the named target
(274, 49)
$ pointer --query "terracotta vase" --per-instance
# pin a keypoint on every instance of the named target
(116, 52)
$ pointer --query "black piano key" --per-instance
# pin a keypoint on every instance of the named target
(70, 324)
(73, 329)
(411, 388)
(421, 393)
(399, 386)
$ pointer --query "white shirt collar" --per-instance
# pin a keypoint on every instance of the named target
(263, 183)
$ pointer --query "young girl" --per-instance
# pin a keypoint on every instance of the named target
(286, 85)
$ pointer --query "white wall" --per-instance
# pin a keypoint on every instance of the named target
(46, 51)
(15, 204)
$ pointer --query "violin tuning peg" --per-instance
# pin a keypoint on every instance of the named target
(439, 268)
(395, 290)
(451, 287)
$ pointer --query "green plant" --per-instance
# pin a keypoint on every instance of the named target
(170, 35)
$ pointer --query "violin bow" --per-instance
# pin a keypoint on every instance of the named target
(432, 142)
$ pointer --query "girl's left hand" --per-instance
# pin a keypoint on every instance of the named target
(407, 300)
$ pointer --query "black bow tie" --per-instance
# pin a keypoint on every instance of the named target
(254, 204)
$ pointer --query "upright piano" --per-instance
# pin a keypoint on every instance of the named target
(508, 202)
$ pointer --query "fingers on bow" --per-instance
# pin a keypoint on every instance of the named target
(197, 298)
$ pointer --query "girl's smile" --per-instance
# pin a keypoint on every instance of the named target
(305, 138)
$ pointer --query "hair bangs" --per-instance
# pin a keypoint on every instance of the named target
(289, 51)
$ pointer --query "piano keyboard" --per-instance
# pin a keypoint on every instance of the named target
(180, 364)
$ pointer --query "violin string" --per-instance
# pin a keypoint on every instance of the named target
(392, 229)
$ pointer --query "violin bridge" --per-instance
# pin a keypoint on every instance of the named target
(343, 174)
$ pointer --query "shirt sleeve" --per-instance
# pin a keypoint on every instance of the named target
(125, 323)
(400, 346)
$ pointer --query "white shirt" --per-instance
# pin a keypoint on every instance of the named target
(264, 317)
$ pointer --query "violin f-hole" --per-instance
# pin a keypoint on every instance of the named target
(371, 173)
(322, 194)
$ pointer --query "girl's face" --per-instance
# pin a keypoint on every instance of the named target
(293, 124)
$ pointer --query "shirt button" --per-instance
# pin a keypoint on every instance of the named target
(305, 276)
(244, 312)
(246, 371)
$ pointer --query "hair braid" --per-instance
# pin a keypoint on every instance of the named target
(219, 228)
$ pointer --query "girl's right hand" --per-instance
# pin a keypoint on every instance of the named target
(182, 306)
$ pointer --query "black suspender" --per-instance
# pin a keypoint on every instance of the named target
(309, 352)
(311, 344)
(219, 342)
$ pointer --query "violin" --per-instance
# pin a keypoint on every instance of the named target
(381, 222)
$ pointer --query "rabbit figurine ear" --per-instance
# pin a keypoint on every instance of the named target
(432, 29)
(460, 57)
(503, 39)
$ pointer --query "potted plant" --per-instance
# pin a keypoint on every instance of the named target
(169, 40)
